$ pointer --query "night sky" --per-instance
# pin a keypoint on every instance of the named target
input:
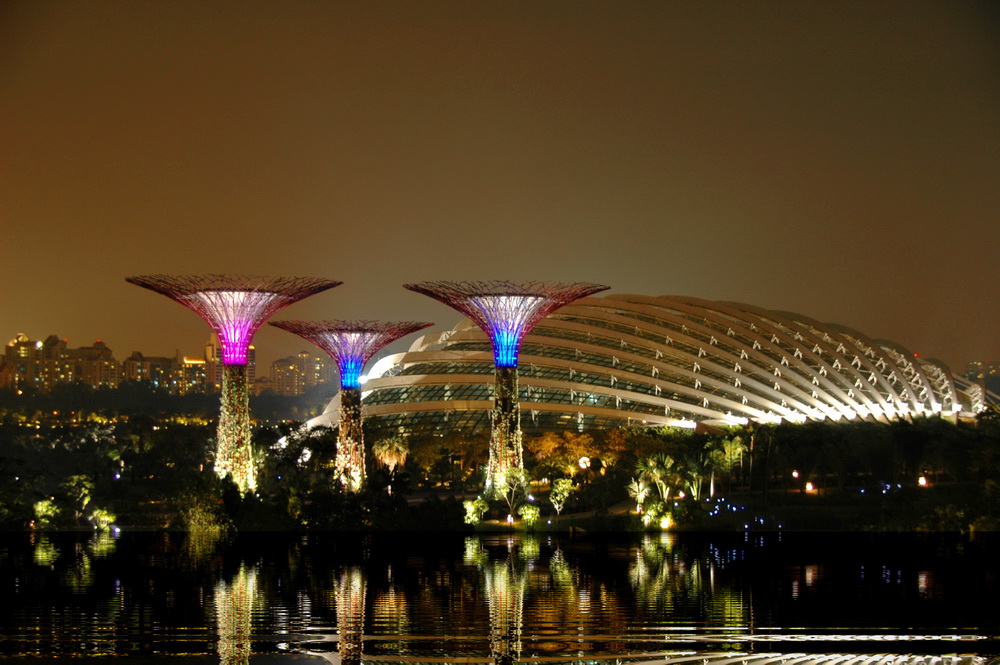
(837, 159)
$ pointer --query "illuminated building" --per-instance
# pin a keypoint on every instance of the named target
(54, 364)
(505, 312)
(621, 360)
(235, 306)
(44, 364)
(189, 376)
(94, 365)
(20, 362)
(350, 344)
(157, 370)
(296, 374)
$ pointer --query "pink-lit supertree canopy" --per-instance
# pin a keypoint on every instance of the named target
(350, 344)
(506, 312)
(235, 306)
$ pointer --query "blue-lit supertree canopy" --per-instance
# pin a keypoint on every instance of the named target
(350, 344)
(506, 312)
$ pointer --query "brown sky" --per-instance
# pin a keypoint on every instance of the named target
(839, 159)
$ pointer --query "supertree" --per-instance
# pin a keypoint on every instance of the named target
(506, 312)
(350, 344)
(235, 306)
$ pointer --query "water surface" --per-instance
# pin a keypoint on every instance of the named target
(435, 598)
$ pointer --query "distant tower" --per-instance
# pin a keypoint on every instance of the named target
(235, 306)
(351, 344)
(506, 311)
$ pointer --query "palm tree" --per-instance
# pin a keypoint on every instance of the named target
(392, 452)
(638, 490)
(660, 471)
(723, 455)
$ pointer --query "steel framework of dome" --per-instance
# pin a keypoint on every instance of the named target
(668, 360)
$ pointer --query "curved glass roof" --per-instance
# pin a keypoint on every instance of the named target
(668, 360)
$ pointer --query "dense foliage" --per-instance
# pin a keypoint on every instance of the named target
(151, 467)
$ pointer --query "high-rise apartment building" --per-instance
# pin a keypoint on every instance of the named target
(296, 374)
(94, 365)
(20, 362)
(190, 376)
(178, 375)
(158, 370)
(42, 365)
(54, 363)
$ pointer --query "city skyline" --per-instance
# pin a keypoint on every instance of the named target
(44, 364)
(836, 160)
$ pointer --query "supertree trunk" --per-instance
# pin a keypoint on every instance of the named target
(351, 344)
(350, 464)
(233, 452)
(505, 438)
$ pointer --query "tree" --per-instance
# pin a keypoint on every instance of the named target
(511, 486)
(638, 490)
(102, 519)
(391, 451)
(46, 511)
(474, 510)
(77, 490)
(723, 455)
(660, 471)
(560, 452)
(561, 488)
(529, 513)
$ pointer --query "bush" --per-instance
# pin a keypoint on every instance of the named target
(474, 510)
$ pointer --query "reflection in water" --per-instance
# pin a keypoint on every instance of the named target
(234, 610)
(201, 544)
(45, 552)
(350, 593)
(506, 582)
(391, 611)
(684, 599)
(103, 544)
(78, 575)
(672, 582)
(740, 658)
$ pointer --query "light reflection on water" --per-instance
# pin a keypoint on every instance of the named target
(500, 598)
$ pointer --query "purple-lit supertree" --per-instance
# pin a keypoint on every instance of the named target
(506, 312)
(235, 306)
(351, 344)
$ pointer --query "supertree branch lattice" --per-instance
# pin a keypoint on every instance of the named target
(350, 344)
(235, 306)
(506, 312)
